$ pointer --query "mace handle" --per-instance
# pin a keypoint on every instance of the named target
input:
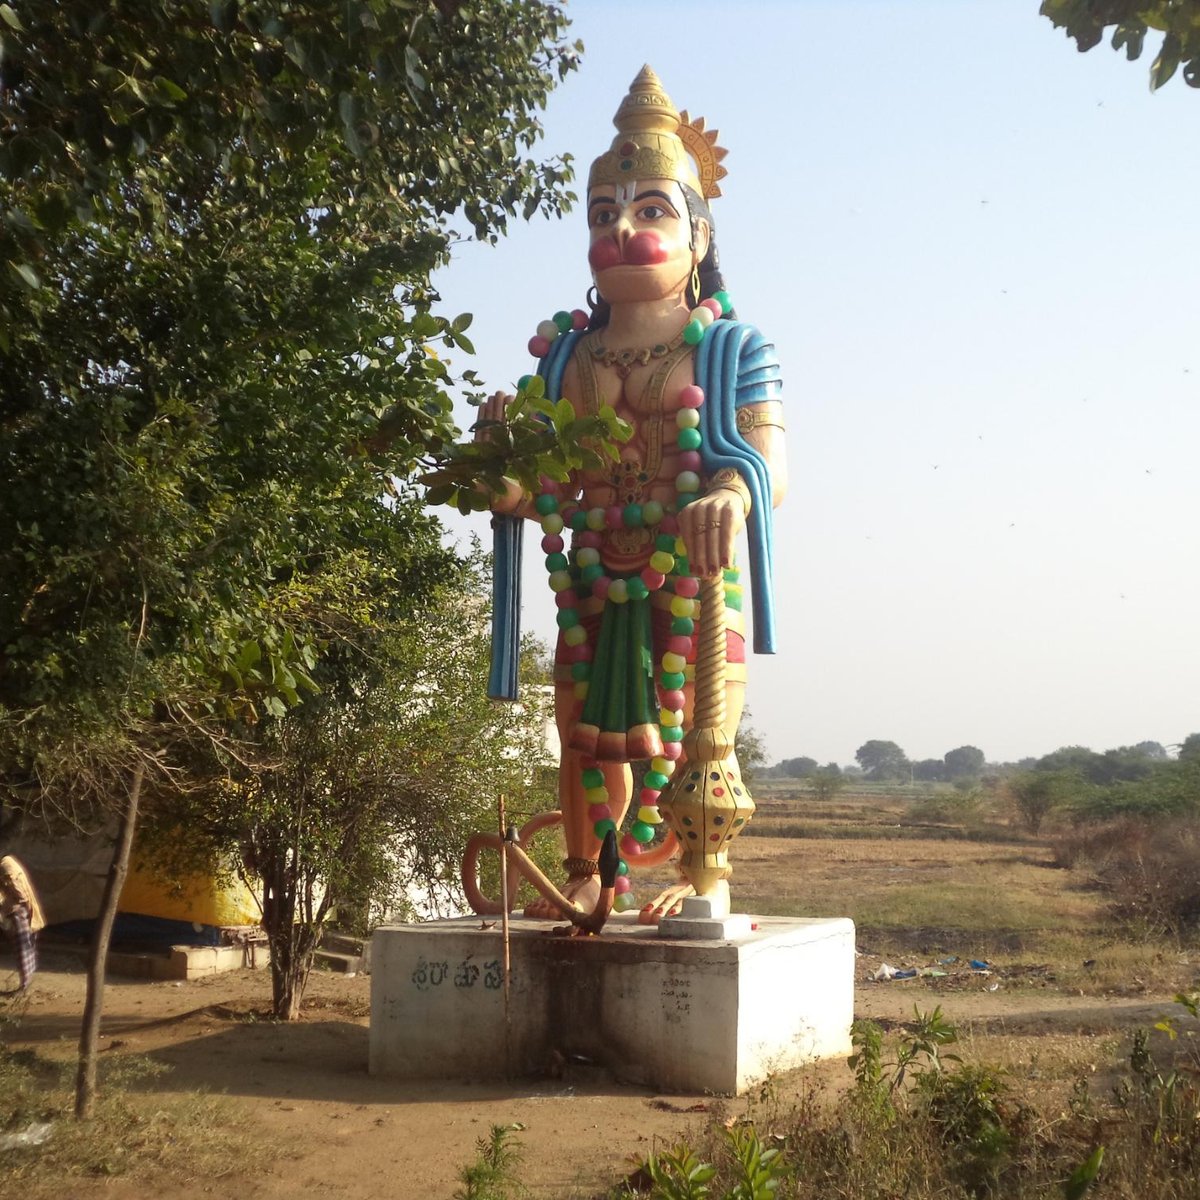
(709, 709)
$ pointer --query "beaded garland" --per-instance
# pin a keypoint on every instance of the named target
(668, 559)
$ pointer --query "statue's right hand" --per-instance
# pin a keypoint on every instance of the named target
(492, 409)
(512, 498)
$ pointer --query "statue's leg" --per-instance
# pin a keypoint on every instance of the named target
(582, 844)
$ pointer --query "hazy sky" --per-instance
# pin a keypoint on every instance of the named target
(976, 252)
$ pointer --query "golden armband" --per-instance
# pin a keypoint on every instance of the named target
(748, 419)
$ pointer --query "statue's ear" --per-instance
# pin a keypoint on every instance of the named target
(701, 239)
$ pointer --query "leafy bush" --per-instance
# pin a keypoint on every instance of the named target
(918, 1123)
(493, 1174)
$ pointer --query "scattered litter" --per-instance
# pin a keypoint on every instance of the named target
(32, 1135)
(993, 987)
(885, 972)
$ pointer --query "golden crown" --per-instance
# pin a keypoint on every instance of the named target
(654, 141)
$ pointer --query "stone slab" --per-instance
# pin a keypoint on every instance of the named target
(175, 962)
(681, 1015)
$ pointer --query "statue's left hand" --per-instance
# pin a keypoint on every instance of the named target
(709, 527)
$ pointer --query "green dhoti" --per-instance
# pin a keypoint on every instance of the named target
(619, 722)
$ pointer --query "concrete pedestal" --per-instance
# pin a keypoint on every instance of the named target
(688, 1015)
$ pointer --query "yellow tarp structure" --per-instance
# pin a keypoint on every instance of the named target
(198, 899)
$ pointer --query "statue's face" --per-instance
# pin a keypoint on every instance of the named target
(642, 244)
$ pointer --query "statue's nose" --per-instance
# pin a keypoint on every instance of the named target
(623, 230)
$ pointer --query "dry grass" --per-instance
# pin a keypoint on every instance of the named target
(970, 884)
(146, 1137)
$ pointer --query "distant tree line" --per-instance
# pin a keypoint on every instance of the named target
(1142, 780)
(881, 761)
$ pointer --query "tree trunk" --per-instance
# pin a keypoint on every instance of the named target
(288, 990)
(293, 948)
(85, 1079)
(293, 941)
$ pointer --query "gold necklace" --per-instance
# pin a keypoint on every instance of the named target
(623, 361)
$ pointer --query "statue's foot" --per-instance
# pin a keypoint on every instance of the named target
(665, 904)
(581, 890)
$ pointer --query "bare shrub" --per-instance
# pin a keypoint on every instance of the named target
(1148, 867)
(1093, 846)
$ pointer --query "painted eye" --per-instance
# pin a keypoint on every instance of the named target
(653, 212)
(604, 216)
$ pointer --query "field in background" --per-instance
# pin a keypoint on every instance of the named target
(930, 873)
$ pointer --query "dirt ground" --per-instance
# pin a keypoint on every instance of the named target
(305, 1086)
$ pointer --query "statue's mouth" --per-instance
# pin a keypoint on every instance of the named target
(643, 249)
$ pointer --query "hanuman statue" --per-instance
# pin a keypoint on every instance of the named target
(640, 552)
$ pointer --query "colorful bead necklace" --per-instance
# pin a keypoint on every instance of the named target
(667, 559)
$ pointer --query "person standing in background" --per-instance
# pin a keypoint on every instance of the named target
(21, 914)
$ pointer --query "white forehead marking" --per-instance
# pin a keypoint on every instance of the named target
(626, 192)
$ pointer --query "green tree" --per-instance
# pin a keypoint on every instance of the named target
(1087, 22)
(964, 762)
(929, 770)
(1036, 793)
(750, 748)
(1127, 763)
(882, 761)
(796, 768)
(1079, 759)
(1189, 748)
(364, 794)
(827, 782)
(218, 349)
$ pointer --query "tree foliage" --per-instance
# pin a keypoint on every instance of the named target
(882, 760)
(1123, 763)
(1036, 793)
(1189, 749)
(929, 770)
(218, 349)
(795, 768)
(1088, 21)
(826, 782)
(216, 327)
(964, 762)
(360, 799)
(750, 748)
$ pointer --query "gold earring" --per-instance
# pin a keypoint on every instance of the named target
(696, 283)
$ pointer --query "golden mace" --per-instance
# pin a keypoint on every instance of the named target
(707, 803)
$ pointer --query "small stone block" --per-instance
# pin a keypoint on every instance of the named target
(731, 928)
